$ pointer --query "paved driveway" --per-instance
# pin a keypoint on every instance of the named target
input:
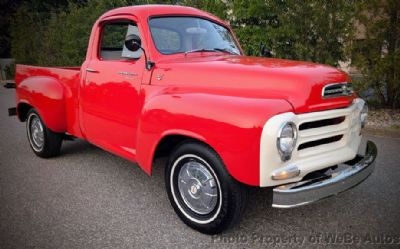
(88, 198)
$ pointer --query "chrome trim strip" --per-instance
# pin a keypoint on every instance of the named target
(309, 191)
(348, 91)
(127, 74)
(91, 70)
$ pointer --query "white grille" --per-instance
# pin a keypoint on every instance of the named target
(325, 139)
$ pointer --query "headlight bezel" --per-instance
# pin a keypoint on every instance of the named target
(286, 155)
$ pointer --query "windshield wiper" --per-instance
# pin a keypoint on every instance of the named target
(201, 50)
(223, 50)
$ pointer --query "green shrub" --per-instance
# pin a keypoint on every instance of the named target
(377, 56)
(57, 37)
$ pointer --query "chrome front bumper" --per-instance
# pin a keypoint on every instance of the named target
(311, 190)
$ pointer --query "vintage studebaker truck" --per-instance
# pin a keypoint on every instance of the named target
(173, 81)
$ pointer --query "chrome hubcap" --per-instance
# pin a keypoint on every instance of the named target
(197, 187)
(36, 132)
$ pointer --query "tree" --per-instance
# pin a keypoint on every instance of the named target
(377, 56)
(7, 7)
(306, 30)
(216, 7)
(36, 8)
(49, 35)
(26, 27)
(67, 33)
(311, 30)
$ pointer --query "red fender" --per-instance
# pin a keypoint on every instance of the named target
(46, 95)
(232, 126)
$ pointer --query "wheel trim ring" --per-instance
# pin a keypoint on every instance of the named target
(33, 145)
(177, 202)
(37, 133)
(194, 184)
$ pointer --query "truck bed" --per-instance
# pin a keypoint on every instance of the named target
(68, 77)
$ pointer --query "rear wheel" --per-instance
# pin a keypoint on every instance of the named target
(200, 189)
(42, 140)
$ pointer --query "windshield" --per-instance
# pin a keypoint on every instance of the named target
(172, 35)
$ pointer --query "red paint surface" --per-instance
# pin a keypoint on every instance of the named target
(222, 100)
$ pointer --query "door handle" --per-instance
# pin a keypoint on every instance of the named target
(90, 70)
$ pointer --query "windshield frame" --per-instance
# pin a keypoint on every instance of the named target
(193, 16)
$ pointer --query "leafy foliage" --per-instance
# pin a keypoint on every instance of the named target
(307, 30)
(215, 7)
(378, 54)
(8, 9)
(58, 37)
(310, 30)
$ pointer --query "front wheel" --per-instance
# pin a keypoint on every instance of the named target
(200, 189)
(44, 142)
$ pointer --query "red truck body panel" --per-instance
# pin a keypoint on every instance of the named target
(222, 100)
(53, 92)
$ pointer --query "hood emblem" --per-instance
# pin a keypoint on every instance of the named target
(337, 90)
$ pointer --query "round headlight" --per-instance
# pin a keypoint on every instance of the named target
(364, 115)
(287, 140)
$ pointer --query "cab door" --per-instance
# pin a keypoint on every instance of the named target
(110, 95)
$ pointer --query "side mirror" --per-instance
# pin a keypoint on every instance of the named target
(133, 43)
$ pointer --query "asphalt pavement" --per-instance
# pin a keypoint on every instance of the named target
(88, 198)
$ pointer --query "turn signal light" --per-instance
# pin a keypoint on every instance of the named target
(286, 173)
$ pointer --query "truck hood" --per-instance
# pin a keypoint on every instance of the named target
(299, 83)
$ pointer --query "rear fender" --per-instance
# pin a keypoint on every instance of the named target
(46, 95)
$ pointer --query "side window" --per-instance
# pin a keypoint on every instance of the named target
(168, 41)
(113, 38)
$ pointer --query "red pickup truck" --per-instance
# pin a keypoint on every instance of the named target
(173, 81)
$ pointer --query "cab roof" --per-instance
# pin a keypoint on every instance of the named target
(149, 10)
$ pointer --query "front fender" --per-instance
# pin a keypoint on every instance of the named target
(232, 126)
(46, 95)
